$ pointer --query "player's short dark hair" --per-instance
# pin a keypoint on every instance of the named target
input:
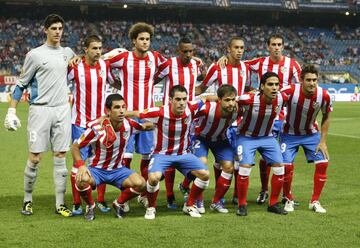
(275, 36)
(111, 98)
(140, 27)
(232, 39)
(226, 89)
(184, 40)
(309, 68)
(177, 88)
(267, 75)
(53, 18)
(91, 38)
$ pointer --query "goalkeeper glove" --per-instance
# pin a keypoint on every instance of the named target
(12, 122)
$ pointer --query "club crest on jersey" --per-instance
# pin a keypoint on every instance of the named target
(283, 69)
(277, 108)
(186, 119)
(126, 134)
(102, 73)
(65, 58)
(149, 63)
(193, 71)
(315, 105)
(241, 73)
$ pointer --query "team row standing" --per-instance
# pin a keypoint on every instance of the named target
(137, 73)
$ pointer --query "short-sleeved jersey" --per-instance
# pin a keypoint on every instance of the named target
(172, 133)
(90, 90)
(302, 111)
(235, 75)
(178, 74)
(137, 77)
(288, 69)
(44, 75)
(210, 125)
(258, 116)
(108, 145)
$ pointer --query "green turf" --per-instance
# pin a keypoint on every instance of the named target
(340, 227)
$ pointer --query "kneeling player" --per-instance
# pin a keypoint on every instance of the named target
(301, 129)
(172, 141)
(255, 134)
(108, 137)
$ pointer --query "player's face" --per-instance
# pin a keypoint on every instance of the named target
(236, 50)
(276, 47)
(271, 87)
(93, 52)
(186, 52)
(228, 103)
(142, 42)
(54, 33)
(117, 111)
(178, 103)
(309, 83)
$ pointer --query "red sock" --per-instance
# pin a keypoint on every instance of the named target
(194, 194)
(144, 165)
(235, 192)
(101, 192)
(319, 180)
(217, 172)
(126, 162)
(277, 182)
(289, 172)
(152, 198)
(186, 183)
(75, 192)
(264, 175)
(126, 195)
(222, 187)
(169, 182)
(87, 196)
(242, 188)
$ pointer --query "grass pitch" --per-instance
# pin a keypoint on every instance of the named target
(339, 227)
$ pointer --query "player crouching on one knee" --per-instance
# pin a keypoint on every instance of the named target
(108, 137)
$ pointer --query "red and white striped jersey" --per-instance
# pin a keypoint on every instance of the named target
(302, 110)
(178, 74)
(107, 155)
(137, 77)
(172, 133)
(287, 69)
(210, 124)
(89, 91)
(237, 76)
(258, 116)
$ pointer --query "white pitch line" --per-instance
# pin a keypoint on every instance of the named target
(344, 135)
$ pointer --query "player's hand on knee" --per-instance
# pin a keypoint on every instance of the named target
(83, 175)
(12, 122)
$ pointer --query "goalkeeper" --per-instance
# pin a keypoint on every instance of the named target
(44, 75)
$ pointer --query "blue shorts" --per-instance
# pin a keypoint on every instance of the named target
(267, 146)
(222, 150)
(142, 141)
(76, 132)
(184, 163)
(290, 146)
(114, 177)
(277, 129)
(231, 135)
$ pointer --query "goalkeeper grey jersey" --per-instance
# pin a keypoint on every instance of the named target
(44, 75)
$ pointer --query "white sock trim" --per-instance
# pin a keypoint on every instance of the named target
(278, 170)
(152, 189)
(236, 165)
(134, 191)
(201, 184)
(128, 155)
(225, 175)
(244, 171)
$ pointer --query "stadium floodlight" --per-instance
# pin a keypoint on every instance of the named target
(125, 6)
(347, 13)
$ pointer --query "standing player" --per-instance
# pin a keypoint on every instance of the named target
(182, 70)
(301, 129)
(44, 76)
(108, 138)
(172, 134)
(288, 71)
(235, 73)
(90, 76)
(255, 134)
(210, 133)
(137, 69)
